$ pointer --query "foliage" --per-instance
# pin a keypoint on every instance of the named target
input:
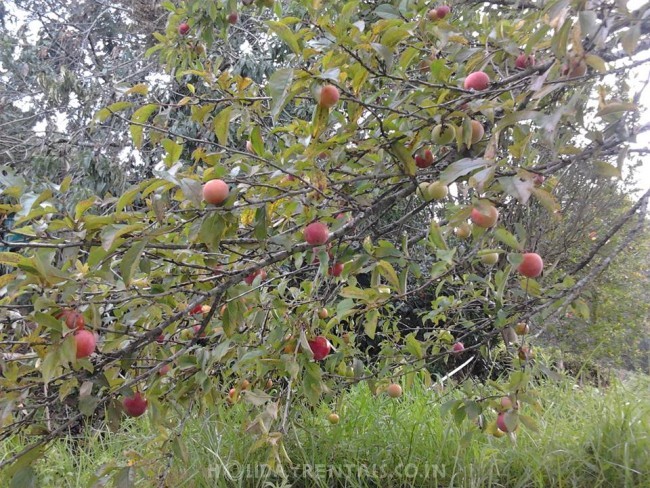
(137, 263)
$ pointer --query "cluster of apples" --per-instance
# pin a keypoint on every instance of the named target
(85, 340)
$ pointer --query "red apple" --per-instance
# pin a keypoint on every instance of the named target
(136, 405)
(477, 81)
(501, 422)
(477, 131)
(232, 18)
(85, 342)
(215, 192)
(197, 309)
(323, 313)
(525, 353)
(160, 339)
(196, 329)
(329, 96)
(316, 234)
(506, 403)
(72, 318)
(432, 14)
(538, 180)
(523, 61)
(458, 347)
(522, 328)
(336, 269)
(485, 216)
(532, 265)
(320, 347)
(164, 370)
(251, 277)
(394, 390)
(442, 11)
(183, 28)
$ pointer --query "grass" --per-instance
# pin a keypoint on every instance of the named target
(586, 438)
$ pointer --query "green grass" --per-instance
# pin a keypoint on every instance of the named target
(586, 438)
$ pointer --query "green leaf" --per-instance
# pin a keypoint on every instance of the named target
(127, 198)
(140, 116)
(260, 230)
(221, 124)
(24, 478)
(630, 38)
(279, 87)
(257, 141)
(212, 229)
(82, 206)
(285, 33)
(173, 149)
(387, 271)
(357, 293)
(404, 156)
(529, 422)
(462, 167)
(413, 346)
(507, 238)
(105, 113)
(370, 325)
(607, 170)
(131, 260)
(615, 107)
(10, 258)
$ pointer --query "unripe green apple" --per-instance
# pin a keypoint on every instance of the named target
(437, 190)
(443, 134)
(490, 259)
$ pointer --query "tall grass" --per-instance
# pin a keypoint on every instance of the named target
(586, 438)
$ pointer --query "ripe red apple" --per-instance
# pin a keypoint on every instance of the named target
(458, 347)
(442, 11)
(336, 269)
(164, 370)
(251, 277)
(463, 231)
(522, 328)
(323, 313)
(233, 17)
(72, 318)
(196, 329)
(432, 15)
(333, 418)
(232, 395)
(320, 347)
(316, 234)
(532, 265)
(329, 96)
(136, 405)
(525, 353)
(485, 216)
(420, 162)
(538, 180)
(506, 403)
(501, 422)
(477, 81)
(183, 28)
(394, 390)
(197, 309)
(215, 192)
(477, 131)
(85, 342)
(523, 61)
(160, 339)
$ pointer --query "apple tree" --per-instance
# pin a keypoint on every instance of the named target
(390, 161)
